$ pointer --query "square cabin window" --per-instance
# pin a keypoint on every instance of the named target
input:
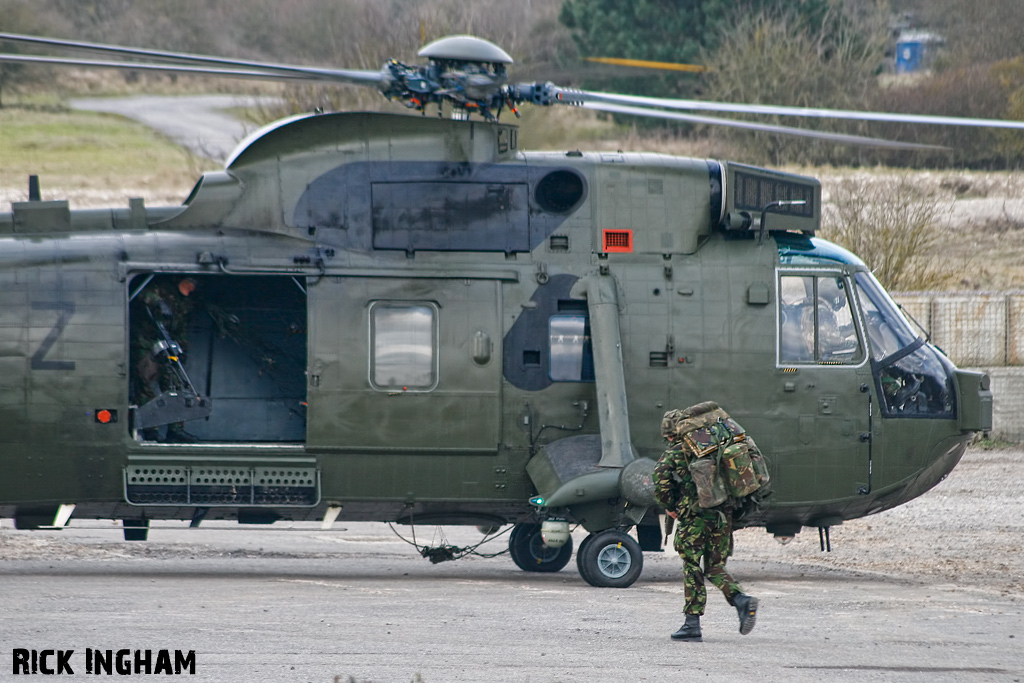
(816, 323)
(403, 346)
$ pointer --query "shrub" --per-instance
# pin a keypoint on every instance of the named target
(891, 223)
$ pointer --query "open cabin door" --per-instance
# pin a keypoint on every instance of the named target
(404, 365)
(217, 358)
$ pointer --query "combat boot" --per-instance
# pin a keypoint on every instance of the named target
(689, 631)
(746, 607)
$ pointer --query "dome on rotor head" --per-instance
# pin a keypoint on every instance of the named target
(465, 49)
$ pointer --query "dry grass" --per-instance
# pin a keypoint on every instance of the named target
(565, 128)
(975, 235)
(92, 159)
(68, 83)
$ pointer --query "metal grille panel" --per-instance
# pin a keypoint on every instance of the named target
(227, 486)
(754, 192)
(618, 241)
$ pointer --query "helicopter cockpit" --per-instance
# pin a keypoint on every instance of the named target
(913, 379)
(817, 327)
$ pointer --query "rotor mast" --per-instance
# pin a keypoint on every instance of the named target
(469, 72)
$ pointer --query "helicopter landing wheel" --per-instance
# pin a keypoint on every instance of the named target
(528, 551)
(579, 555)
(610, 559)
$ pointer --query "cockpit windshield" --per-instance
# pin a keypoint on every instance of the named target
(913, 379)
(888, 330)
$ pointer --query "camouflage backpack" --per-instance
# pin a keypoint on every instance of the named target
(725, 463)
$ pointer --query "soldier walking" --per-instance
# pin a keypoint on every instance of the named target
(700, 533)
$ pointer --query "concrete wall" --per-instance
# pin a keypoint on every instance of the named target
(1007, 402)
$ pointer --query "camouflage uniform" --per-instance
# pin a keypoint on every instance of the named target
(700, 532)
(172, 309)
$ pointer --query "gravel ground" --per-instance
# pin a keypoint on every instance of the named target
(966, 532)
(930, 592)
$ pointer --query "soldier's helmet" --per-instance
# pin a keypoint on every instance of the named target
(669, 422)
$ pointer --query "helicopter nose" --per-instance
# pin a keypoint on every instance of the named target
(975, 394)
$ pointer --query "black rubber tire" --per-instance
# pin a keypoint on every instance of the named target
(528, 551)
(610, 559)
(580, 565)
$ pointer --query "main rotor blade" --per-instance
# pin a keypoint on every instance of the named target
(571, 96)
(284, 71)
(164, 68)
(764, 127)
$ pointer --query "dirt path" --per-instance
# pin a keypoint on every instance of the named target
(198, 122)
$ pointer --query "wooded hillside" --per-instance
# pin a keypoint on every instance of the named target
(817, 53)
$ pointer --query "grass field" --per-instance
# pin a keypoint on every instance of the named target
(94, 158)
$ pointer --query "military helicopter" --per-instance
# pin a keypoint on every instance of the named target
(408, 319)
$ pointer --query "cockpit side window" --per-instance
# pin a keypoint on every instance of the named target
(816, 321)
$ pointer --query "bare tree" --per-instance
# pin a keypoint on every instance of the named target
(20, 16)
(893, 224)
(773, 58)
(982, 31)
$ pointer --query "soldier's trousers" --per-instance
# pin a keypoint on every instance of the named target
(707, 536)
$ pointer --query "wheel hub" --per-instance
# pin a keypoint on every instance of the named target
(541, 552)
(614, 561)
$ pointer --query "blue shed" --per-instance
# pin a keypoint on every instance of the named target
(914, 51)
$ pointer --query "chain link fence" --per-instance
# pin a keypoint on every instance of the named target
(982, 331)
(975, 329)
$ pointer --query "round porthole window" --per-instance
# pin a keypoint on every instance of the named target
(560, 191)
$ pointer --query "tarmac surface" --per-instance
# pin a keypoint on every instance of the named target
(931, 591)
(356, 603)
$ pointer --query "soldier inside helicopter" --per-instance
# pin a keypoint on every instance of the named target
(817, 321)
(223, 363)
